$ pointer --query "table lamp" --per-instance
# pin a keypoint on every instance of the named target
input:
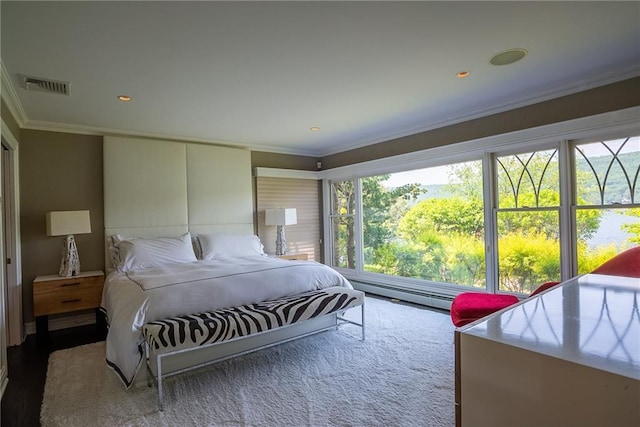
(68, 223)
(281, 217)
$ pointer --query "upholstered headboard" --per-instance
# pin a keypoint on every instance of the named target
(158, 188)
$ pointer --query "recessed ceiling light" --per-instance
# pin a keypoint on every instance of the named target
(462, 74)
(124, 98)
(315, 128)
(507, 57)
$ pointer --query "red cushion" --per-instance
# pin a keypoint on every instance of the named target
(625, 264)
(470, 306)
(543, 288)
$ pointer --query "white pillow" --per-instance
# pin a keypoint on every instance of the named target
(113, 252)
(219, 245)
(114, 248)
(138, 253)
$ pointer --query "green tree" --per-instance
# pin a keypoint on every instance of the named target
(382, 209)
(591, 258)
(450, 232)
(587, 221)
(464, 262)
(342, 211)
(407, 260)
(633, 227)
(378, 204)
(469, 175)
(450, 215)
(527, 262)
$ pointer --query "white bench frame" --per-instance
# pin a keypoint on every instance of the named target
(228, 348)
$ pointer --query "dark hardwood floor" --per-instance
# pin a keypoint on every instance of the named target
(28, 370)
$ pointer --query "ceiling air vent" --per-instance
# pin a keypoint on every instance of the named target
(44, 85)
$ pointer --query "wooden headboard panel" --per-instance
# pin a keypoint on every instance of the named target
(165, 188)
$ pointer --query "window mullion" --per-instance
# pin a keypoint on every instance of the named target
(327, 242)
(568, 251)
(490, 236)
(359, 238)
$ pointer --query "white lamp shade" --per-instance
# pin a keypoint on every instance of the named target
(64, 223)
(281, 216)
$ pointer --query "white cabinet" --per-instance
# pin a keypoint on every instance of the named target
(569, 357)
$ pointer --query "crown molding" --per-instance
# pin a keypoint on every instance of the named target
(285, 173)
(98, 131)
(10, 97)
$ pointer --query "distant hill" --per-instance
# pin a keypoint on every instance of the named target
(616, 187)
(433, 190)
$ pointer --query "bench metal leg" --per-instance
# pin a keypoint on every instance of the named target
(362, 319)
(146, 359)
(339, 317)
(159, 378)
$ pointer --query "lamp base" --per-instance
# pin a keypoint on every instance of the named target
(281, 242)
(70, 263)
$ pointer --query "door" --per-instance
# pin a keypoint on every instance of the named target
(3, 318)
(13, 290)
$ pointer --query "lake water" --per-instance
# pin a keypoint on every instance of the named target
(610, 229)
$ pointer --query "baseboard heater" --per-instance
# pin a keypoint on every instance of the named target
(410, 295)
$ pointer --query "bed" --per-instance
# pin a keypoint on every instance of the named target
(191, 192)
(160, 285)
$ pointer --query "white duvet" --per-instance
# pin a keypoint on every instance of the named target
(132, 299)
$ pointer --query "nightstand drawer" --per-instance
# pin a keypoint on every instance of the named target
(67, 294)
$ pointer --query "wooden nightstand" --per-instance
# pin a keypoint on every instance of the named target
(53, 294)
(298, 257)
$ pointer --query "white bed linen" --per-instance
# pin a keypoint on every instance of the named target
(132, 299)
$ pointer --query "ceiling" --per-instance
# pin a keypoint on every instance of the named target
(261, 74)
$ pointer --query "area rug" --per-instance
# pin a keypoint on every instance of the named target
(401, 375)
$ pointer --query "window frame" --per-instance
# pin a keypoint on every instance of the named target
(328, 222)
(574, 207)
(564, 171)
(420, 282)
(560, 135)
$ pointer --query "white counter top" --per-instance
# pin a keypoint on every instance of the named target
(593, 320)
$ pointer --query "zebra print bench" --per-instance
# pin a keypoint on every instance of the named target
(180, 334)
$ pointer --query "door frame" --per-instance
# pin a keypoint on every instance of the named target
(12, 277)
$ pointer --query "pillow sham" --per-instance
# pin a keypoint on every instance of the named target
(113, 252)
(219, 245)
(138, 253)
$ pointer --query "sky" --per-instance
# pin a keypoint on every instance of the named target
(435, 175)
